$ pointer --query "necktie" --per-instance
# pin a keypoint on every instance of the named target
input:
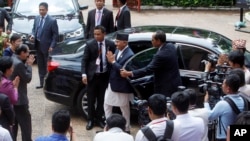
(40, 28)
(118, 14)
(100, 55)
(98, 20)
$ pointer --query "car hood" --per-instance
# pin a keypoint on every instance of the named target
(25, 25)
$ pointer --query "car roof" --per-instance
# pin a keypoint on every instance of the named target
(190, 35)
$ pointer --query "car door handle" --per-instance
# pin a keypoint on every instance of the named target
(192, 75)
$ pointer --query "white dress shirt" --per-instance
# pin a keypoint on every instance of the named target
(203, 114)
(113, 134)
(188, 128)
(4, 134)
(157, 126)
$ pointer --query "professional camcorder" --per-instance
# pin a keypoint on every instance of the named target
(211, 82)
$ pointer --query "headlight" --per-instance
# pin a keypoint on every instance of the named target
(76, 33)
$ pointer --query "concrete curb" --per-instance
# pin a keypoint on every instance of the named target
(219, 8)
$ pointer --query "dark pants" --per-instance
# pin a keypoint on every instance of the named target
(95, 92)
(23, 118)
(42, 60)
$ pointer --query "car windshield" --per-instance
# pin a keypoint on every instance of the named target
(30, 7)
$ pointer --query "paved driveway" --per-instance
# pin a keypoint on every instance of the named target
(219, 21)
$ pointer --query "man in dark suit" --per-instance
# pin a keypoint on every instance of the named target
(4, 15)
(122, 19)
(95, 73)
(164, 66)
(99, 16)
(22, 68)
(119, 91)
(44, 34)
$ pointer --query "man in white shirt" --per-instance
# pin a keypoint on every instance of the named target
(157, 113)
(114, 130)
(195, 111)
(186, 127)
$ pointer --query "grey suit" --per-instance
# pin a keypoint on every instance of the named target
(123, 20)
(48, 38)
(106, 21)
(21, 108)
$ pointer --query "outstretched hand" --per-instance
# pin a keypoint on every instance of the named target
(110, 56)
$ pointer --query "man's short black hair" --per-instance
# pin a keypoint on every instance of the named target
(241, 75)
(123, 1)
(22, 48)
(6, 62)
(61, 121)
(116, 120)
(192, 96)
(233, 82)
(160, 35)
(100, 27)
(180, 100)
(44, 4)
(237, 57)
(14, 37)
(157, 103)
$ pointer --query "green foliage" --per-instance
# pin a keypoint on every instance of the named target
(189, 3)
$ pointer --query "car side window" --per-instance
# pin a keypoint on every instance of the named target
(190, 57)
(140, 46)
(141, 59)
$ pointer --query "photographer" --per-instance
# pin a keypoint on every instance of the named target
(222, 110)
(157, 113)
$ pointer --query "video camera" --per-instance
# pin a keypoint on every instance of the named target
(211, 82)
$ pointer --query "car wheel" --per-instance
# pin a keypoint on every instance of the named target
(82, 103)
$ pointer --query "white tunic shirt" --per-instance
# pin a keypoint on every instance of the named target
(117, 99)
(113, 134)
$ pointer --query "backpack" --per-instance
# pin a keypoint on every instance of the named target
(233, 105)
(149, 134)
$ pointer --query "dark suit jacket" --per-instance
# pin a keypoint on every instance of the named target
(49, 34)
(118, 83)
(107, 21)
(90, 55)
(7, 116)
(25, 73)
(4, 15)
(166, 70)
(124, 19)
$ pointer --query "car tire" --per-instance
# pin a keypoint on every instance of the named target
(82, 103)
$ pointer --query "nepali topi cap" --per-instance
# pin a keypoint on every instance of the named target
(239, 43)
(122, 36)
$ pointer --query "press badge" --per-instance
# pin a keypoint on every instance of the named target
(97, 62)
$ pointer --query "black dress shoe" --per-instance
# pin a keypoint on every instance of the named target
(39, 87)
(101, 124)
(90, 125)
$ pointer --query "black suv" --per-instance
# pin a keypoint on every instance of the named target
(67, 12)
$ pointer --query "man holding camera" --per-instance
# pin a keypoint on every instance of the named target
(156, 111)
(222, 111)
